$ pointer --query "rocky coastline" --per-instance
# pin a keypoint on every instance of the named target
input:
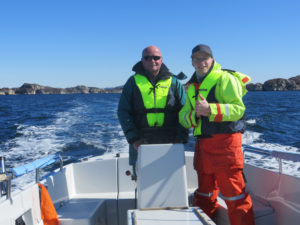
(278, 84)
(33, 89)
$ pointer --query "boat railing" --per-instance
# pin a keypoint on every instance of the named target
(280, 155)
(7, 175)
(5, 179)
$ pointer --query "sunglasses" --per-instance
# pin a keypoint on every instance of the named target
(149, 58)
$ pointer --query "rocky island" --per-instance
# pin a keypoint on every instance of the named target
(278, 84)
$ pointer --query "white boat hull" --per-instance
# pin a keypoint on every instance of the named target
(98, 192)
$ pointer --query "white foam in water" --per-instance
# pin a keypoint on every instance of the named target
(253, 139)
(34, 142)
(251, 121)
(250, 137)
(116, 143)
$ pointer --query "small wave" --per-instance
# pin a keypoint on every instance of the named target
(108, 137)
(251, 121)
(250, 137)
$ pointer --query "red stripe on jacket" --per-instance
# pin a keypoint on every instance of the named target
(219, 116)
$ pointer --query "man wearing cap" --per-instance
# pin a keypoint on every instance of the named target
(149, 105)
(215, 109)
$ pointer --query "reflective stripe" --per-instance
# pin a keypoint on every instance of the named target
(190, 117)
(205, 194)
(226, 109)
(233, 198)
(185, 119)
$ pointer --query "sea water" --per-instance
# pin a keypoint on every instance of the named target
(79, 126)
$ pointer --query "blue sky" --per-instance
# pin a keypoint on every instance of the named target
(63, 43)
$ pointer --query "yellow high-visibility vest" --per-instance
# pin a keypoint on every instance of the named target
(154, 98)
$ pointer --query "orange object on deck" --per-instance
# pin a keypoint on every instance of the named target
(48, 212)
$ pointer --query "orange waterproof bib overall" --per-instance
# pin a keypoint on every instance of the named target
(219, 163)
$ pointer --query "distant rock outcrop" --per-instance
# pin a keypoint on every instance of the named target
(278, 84)
(254, 87)
(78, 90)
(7, 91)
(114, 89)
(297, 81)
(32, 89)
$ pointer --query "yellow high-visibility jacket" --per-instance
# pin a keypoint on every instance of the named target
(224, 90)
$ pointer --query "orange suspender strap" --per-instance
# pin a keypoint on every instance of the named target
(196, 85)
(48, 212)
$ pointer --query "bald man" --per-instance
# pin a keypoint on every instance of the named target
(149, 104)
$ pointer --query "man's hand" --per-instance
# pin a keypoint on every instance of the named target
(136, 144)
(202, 107)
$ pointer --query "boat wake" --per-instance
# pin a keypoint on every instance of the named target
(255, 139)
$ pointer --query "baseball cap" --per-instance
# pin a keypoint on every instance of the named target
(202, 48)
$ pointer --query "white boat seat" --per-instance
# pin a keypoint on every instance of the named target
(263, 213)
(161, 176)
(81, 211)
